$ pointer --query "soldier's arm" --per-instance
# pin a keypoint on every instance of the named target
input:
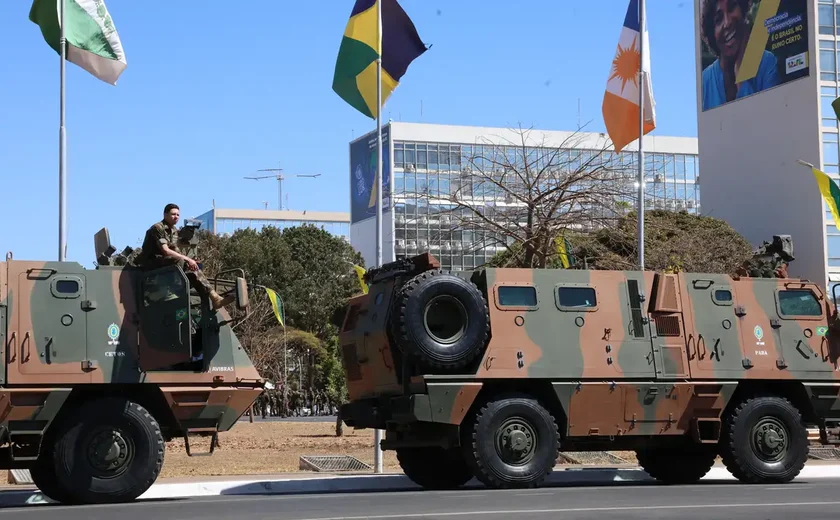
(163, 245)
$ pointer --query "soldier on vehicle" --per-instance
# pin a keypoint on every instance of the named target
(160, 248)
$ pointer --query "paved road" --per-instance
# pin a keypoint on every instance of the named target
(813, 500)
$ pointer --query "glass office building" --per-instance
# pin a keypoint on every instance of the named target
(226, 221)
(428, 161)
(828, 20)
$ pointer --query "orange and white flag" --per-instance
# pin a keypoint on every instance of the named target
(621, 99)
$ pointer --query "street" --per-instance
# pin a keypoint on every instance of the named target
(814, 499)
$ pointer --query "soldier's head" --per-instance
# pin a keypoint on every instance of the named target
(171, 214)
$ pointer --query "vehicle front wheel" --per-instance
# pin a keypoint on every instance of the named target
(764, 440)
(513, 443)
(108, 451)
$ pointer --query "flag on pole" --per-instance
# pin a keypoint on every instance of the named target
(355, 68)
(360, 272)
(276, 305)
(563, 248)
(830, 192)
(92, 40)
(620, 107)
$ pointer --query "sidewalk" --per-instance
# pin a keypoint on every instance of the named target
(310, 482)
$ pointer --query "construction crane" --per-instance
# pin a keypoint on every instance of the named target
(280, 178)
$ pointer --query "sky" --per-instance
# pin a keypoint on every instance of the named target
(215, 91)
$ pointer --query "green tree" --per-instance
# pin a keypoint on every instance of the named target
(308, 267)
(674, 241)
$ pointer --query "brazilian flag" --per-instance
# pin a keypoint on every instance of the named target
(355, 68)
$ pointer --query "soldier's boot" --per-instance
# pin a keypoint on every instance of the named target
(219, 302)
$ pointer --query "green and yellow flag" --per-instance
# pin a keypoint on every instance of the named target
(276, 305)
(355, 68)
(360, 272)
(830, 192)
(563, 247)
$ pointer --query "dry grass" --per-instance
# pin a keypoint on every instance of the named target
(261, 448)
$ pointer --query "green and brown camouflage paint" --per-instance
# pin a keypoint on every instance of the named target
(66, 329)
(665, 363)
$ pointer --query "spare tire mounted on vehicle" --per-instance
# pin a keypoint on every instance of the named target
(441, 320)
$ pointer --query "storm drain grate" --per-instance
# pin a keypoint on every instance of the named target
(823, 453)
(332, 463)
(590, 457)
(20, 476)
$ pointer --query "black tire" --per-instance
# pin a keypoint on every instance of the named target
(752, 460)
(139, 442)
(685, 464)
(43, 476)
(441, 321)
(434, 468)
(535, 439)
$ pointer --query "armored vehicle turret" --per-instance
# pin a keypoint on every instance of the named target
(490, 373)
(105, 365)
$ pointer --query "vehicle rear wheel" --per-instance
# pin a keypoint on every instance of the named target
(108, 451)
(764, 441)
(441, 321)
(434, 467)
(684, 464)
(513, 443)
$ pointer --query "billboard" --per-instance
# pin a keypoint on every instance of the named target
(362, 174)
(748, 46)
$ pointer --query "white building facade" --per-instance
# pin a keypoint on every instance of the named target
(223, 221)
(430, 157)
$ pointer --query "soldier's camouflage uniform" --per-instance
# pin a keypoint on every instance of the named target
(151, 255)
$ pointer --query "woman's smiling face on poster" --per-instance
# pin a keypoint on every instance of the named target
(730, 24)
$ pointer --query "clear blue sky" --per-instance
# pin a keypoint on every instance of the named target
(216, 90)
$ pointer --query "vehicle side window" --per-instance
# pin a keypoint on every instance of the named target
(576, 297)
(513, 296)
(67, 286)
(163, 286)
(799, 302)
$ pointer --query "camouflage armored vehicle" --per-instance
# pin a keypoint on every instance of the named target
(104, 365)
(490, 373)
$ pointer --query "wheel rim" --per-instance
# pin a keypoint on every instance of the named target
(516, 441)
(445, 319)
(109, 452)
(770, 439)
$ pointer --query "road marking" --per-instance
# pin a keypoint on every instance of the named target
(567, 510)
(532, 494)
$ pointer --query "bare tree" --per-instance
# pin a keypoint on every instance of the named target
(522, 193)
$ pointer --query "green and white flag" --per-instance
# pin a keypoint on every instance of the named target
(92, 40)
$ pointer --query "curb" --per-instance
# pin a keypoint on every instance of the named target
(386, 482)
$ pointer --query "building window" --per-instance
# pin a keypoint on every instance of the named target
(834, 245)
(827, 96)
(830, 150)
(826, 16)
(828, 60)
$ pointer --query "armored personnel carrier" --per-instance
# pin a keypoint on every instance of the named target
(104, 365)
(490, 373)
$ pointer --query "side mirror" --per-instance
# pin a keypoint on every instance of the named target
(241, 293)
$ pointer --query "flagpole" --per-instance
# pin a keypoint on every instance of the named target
(641, 194)
(377, 437)
(62, 150)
